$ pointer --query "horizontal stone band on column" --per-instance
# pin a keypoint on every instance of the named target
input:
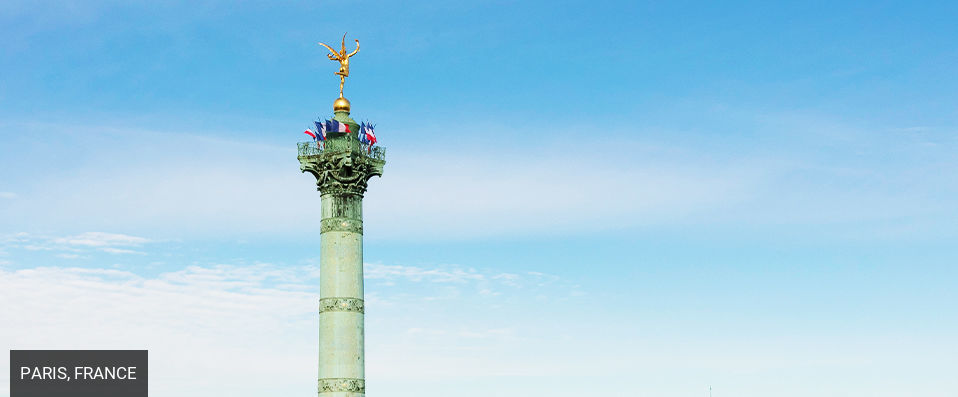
(341, 225)
(327, 385)
(341, 305)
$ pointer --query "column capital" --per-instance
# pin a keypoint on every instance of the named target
(341, 166)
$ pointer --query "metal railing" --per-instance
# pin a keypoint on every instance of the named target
(314, 148)
(374, 152)
(307, 149)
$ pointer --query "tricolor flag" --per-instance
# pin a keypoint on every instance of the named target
(362, 133)
(335, 126)
(320, 130)
(370, 133)
(310, 133)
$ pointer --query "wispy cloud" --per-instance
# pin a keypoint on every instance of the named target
(486, 192)
(256, 314)
(100, 239)
(121, 251)
(821, 174)
(451, 282)
(112, 243)
(413, 273)
(194, 313)
(8, 195)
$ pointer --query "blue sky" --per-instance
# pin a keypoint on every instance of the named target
(615, 198)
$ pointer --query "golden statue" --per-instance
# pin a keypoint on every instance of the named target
(343, 59)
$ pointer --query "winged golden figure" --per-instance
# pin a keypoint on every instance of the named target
(343, 59)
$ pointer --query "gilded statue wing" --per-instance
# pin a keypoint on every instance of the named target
(334, 53)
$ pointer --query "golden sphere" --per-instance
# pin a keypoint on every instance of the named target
(341, 104)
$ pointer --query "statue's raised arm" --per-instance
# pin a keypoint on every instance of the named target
(355, 51)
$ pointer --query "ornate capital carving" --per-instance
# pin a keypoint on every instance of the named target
(341, 305)
(341, 225)
(341, 167)
(327, 385)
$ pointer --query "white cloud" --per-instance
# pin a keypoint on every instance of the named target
(552, 189)
(14, 238)
(121, 251)
(8, 195)
(413, 273)
(36, 247)
(100, 239)
(261, 317)
(251, 330)
(218, 187)
(189, 320)
(450, 282)
(112, 243)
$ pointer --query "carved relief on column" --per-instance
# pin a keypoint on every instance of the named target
(341, 225)
(341, 305)
(354, 385)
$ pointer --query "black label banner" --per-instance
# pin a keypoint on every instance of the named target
(78, 373)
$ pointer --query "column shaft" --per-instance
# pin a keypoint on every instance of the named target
(341, 356)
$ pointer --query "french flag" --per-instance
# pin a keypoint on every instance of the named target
(320, 130)
(335, 126)
(310, 133)
(362, 133)
(369, 130)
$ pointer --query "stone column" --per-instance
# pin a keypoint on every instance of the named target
(341, 359)
(342, 170)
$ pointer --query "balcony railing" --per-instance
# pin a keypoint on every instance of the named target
(311, 148)
(374, 152)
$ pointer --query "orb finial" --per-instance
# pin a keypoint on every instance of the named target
(341, 104)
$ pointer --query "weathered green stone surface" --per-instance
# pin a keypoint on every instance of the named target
(342, 169)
